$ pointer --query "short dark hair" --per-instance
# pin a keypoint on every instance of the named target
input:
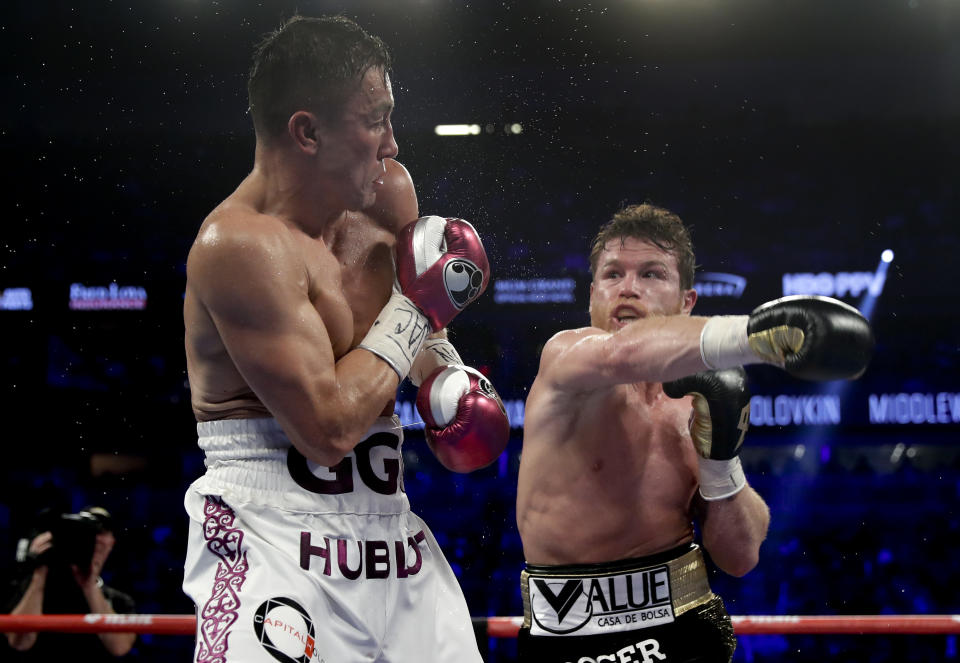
(653, 224)
(309, 64)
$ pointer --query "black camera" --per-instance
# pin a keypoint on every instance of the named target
(74, 536)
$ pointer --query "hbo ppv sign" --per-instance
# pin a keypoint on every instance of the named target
(841, 284)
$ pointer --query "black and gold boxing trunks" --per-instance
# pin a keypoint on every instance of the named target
(644, 610)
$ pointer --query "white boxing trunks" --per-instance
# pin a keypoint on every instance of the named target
(291, 561)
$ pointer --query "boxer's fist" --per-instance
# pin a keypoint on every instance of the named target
(814, 338)
(721, 410)
(466, 424)
(441, 267)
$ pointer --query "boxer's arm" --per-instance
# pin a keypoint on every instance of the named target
(732, 530)
(396, 206)
(655, 349)
(733, 517)
(437, 352)
(814, 338)
(255, 290)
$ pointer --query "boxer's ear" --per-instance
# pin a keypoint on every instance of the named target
(689, 299)
(303, 128)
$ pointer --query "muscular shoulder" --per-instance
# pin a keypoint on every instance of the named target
(572, 360)
(562, 342)
(554, 394)
(237, 241)
(396, 204)
(237, 227)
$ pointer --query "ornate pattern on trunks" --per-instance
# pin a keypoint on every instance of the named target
(220, 611)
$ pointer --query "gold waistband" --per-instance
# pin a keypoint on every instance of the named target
(689, 586)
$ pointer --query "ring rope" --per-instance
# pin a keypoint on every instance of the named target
(507, 627)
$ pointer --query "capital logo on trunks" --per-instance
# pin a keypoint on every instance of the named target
(586, 606)
(463, 280)
(285, 630)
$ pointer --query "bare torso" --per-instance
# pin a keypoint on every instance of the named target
(605, 475)
(347, 275)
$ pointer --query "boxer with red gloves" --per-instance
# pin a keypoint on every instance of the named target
(435, 251)
(441, 267)
(310, 291)
(466, 425)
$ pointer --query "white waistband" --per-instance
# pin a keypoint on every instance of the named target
(242, 438)
(253, 460)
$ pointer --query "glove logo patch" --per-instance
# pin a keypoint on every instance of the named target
(486, 387)
(463, 280)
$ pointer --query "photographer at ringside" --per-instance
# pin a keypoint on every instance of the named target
(58, 572)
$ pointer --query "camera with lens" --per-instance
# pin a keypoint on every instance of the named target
(74, 536)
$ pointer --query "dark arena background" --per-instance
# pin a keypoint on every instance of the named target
(813, 146)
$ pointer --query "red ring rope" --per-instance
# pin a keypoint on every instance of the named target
(507, 627)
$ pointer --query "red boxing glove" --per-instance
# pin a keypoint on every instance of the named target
(466, 424)
(441, 267)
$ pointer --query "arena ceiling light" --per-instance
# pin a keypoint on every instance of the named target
(511, 128)
(457, 129)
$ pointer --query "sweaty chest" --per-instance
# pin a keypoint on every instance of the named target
(641, 421)
(358, 271)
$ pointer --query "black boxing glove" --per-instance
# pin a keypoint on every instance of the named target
(813, 338)
(721, 417)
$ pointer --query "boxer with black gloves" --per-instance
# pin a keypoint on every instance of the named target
(618, 463)
(311, 290)
(813, 338)
(718, 424)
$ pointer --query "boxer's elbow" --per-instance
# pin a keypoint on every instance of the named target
(328, 447)
(326, 439)
(330, 426)
(740, 564)
(735, 557)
